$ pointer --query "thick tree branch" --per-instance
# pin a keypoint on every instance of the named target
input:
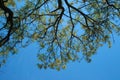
(9, 17)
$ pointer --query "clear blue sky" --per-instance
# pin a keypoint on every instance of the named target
(105, 65)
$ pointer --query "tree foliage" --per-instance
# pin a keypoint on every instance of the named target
(64, 30)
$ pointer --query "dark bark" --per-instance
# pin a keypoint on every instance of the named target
(9, 20)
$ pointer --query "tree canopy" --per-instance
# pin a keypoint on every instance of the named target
(64, 30)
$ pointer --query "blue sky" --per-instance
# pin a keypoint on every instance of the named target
(105, 65)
